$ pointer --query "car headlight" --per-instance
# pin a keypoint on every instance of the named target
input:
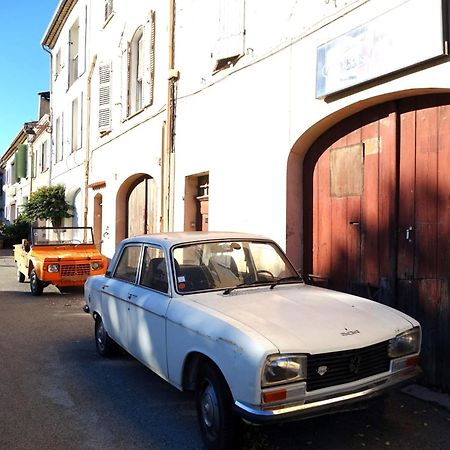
(405, 343)
(96, 265)
(53, 268)
(280, 369)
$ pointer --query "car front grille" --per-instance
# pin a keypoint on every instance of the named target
(331, 369)
(74, 270)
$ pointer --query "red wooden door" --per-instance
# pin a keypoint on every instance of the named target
(389, 240)
(423, 228)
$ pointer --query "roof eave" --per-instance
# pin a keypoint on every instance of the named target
(57, 22)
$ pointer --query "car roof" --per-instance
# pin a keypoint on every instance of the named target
(174, 238)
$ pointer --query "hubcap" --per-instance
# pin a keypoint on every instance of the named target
(100, 335)
(210, 408)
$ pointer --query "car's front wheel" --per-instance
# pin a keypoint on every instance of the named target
(218, 425)
(36, 285)
(104, 344)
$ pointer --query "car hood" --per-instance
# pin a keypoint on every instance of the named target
(65, 252)
(309, 319)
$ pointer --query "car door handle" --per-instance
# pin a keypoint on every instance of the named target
(130, 296)
(105, 286)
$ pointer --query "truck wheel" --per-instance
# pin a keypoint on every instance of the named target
(20, 276)
(105, 345)
(218, 425)
(36, 285)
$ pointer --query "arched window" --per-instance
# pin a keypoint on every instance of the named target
(136, 71)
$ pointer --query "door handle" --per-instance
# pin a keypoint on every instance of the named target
(130, 296)
(409, 234)
(105, 286)
(354, 222)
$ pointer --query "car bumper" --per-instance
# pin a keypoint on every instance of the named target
(348, 400)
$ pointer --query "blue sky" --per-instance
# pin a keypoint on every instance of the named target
(25, 66)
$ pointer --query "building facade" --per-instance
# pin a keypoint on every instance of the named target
(320, 124)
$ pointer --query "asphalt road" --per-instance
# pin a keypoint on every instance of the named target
(57, 393)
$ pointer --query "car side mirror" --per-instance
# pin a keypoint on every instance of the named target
(108, 274)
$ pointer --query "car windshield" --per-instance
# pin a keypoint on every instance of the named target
(229, 265)
(62, 236)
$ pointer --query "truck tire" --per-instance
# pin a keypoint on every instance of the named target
(36, 285)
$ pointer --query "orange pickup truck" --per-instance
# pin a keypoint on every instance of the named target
(63, 256)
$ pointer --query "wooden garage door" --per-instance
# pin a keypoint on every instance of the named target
(380, 214)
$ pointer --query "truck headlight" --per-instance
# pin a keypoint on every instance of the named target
(280, 369)
(96, 265)
(53, 268)
(405, 343)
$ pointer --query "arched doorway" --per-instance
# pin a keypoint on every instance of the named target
(98, 220)
(136, 207)
(376, 202)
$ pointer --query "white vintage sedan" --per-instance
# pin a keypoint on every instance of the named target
(227, 315)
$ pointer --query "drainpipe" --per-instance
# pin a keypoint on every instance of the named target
(88, 141)
(50, 118)
(168, 159)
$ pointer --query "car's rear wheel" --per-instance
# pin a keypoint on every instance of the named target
(218, 425)
(104, 344)
(36, 285)
(20, 276)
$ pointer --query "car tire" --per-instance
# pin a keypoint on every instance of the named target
(218, 424)
(105, 345)
(36, 285)
(20, 276)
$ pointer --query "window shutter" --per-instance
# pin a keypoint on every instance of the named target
(104, 111)
(21, 161)
(152, 57)
(128, 78)
(230, 39)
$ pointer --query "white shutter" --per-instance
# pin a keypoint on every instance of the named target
(151, 75)
(104, 110)
(230, 39)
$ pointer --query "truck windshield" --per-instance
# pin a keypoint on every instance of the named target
(62, 236)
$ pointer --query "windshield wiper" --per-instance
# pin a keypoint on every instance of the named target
(230, 289)
(281, 280)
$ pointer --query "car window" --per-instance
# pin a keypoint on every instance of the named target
(128, 264)
(229, 264)
(154, 270)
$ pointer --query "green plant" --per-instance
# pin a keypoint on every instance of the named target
(48, 203)
(15, 232)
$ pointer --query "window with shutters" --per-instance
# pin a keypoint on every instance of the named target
(57, 139)
(104, 112)
(140, 59)
(44, 156)
(74, 125)
(73, 52)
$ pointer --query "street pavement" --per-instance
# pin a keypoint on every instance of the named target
(57, 393)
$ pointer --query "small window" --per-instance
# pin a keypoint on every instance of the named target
(128, 264)
(347, 171)
(58, 63)
(154, 270)
(74, 124)
(73, 53)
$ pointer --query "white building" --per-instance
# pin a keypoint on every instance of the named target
(25, 163)
(321, 124)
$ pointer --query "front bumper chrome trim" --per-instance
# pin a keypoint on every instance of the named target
(342, 401)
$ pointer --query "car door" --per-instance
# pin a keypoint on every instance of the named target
(149, 301)
(116, 293)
